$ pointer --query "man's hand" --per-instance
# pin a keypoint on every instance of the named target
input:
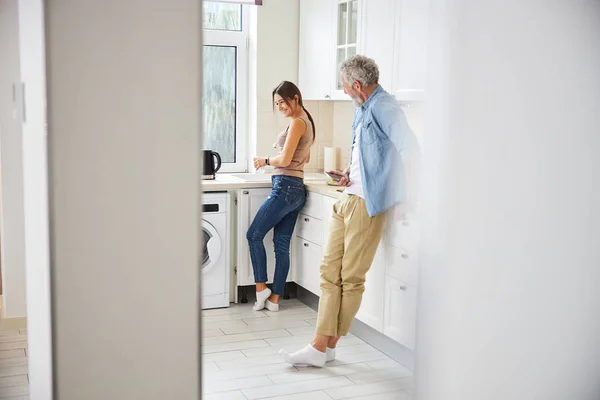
(344, 180)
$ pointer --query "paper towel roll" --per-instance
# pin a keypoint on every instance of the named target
(329, 158)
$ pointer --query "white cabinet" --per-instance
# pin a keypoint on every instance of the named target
(307, 251)
(372, 306)
(307, 259)
(379, 25)
(330, 32)
(315, 70)
(249, 202)
(400, 311)
(410, 49)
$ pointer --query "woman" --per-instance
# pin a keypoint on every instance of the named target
(280, 209)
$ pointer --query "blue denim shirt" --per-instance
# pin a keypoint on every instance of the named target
(386, 144)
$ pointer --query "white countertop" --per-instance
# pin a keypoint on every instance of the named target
(315, 182)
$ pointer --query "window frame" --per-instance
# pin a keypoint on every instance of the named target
(239, 40)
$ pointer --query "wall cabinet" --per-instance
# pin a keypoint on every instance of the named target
(392, 32)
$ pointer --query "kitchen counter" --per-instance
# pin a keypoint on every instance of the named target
(315, 182)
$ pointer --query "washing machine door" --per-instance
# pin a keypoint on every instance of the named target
(211, 247)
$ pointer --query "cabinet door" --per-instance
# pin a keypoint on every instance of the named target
(347, 19)
(410, 58)
(315, 51)
(250, 201)
(307, 262)
(378, 37)
(371, 308)
(400, 311)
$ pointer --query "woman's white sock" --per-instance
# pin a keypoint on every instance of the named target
(330, 354)
(271, 306)
(307, 356)
(261, 297)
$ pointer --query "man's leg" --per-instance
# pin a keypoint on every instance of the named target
(363, 234)
(329, 304)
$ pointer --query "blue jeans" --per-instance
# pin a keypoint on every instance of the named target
(278, 212)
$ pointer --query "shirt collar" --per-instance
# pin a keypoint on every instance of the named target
(375, 92)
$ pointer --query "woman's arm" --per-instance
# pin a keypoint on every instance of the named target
(282, 160)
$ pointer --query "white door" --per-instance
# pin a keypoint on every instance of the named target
(315, 51)
(371, 308)
(250, 201)
(400, 311)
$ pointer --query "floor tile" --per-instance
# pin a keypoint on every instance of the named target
(353, 391)
(320, 395)
(243, 337)
(380, 375)
(14, 391)
(13, 362)
(12, 353)
(14, 371)
(234, 395)
(312, 322)
(316, 373)
(234, 317)
(383, 364)
(270, 324)
(209, 386)
(217, 348)
(399, 395)
(224, 356)
(209, 368)
(250, 362)
(287, 389)
(14, 380)
(245, 372)
(207, 333)
(21, 344)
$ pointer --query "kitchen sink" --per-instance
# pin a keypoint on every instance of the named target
(254, 177)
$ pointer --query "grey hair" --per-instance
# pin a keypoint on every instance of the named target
(360, 69)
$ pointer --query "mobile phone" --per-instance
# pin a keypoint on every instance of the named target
(334, 177)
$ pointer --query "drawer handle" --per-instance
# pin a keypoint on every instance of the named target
(306, 220)
(403, 287)
(405, 256)
(245, 192)
(305, 244)
(405, 223)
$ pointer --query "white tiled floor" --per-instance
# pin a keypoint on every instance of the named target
(14, 380)
(240, 360)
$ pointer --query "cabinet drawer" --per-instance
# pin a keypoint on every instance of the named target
(309, 228)
(314, 205)
(401, 265)
(400, 311)
(307, 262)
(403, 234)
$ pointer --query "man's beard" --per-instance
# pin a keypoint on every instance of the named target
(357, 102)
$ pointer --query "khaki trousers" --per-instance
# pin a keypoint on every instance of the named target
(353, 240)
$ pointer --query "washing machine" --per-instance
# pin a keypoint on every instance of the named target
(216, 250)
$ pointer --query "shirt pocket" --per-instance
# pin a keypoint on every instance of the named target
(369, 132)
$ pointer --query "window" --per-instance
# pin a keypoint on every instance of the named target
(225, 82)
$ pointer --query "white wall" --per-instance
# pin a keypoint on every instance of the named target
(12, 229)
(508, 293)
(124, 93)
(35, 180)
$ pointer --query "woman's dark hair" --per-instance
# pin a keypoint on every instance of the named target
(287, 90)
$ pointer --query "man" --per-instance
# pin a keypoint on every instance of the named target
(380, 177)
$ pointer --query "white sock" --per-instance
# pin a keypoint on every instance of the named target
(330, 354)
(307, 356)
(271, 306)
(261, 297)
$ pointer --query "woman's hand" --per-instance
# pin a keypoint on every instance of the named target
(259, 162)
